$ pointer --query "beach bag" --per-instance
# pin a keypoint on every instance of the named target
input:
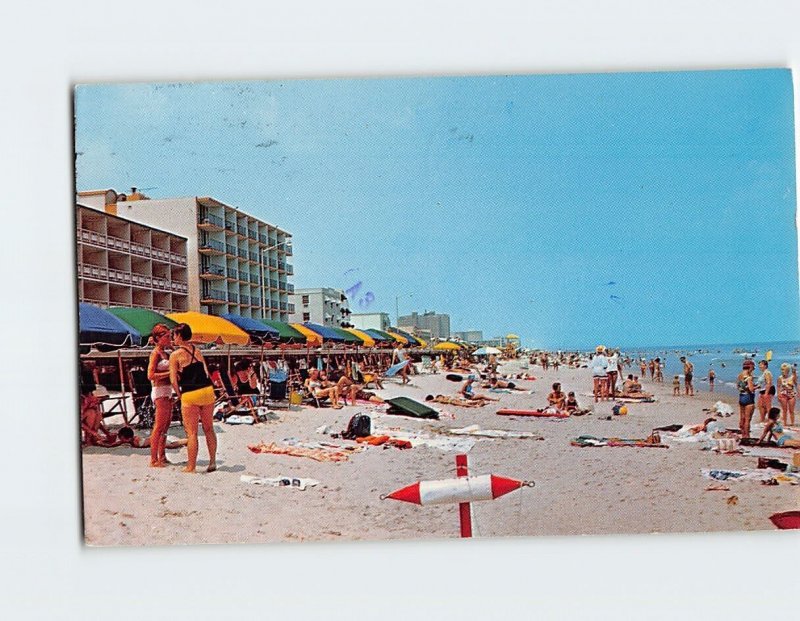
(360, 426)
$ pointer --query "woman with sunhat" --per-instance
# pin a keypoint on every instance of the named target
(599, 366)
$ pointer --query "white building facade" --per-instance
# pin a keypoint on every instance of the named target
(370, 321)
(236, 263)
(324, 306)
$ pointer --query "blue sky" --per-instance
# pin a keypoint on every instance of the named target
(628, 209)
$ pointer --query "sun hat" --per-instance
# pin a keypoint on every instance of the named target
(599, 348)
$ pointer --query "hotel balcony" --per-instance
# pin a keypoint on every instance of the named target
(289, 269)
(208, 222)
(213, 296)
(241, 231)
(212, 272)
(212, 248)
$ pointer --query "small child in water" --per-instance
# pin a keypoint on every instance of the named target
(676, 386)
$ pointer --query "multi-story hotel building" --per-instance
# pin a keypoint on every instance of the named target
(236, 263)
(124, 263)
(368, 321)
(324, 306)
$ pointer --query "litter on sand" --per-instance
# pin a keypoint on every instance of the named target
(651, 442)
(317, 454)
(417, 439)
(281, 481)
(240, 419)
(475, 430)
(765, 476)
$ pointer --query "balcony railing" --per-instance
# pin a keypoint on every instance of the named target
(273, 263)
(231, 226)
(242, 252)
(210, 219)
(117, 243)
(125, 277)
(273, 283)
(290, 287)
(254, 257)
(242, 230)
(244, 299)
(233, 274)
(230, 249)
(233, 297)
(212, 244)
(255, 301)
(255, 279)
(214, 294)
(212, 269)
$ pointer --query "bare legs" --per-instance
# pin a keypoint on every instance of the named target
(745, 416)
(193, 416)
(787, 408)
(158, 436)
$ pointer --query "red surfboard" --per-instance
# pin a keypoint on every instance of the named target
(542, 413)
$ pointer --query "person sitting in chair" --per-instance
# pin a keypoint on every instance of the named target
(315, 387)
(245, 384)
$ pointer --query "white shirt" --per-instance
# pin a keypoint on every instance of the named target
(613, 363)
(598, 365)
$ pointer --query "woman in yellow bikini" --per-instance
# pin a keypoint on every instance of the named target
(787, 392)
(190, 380)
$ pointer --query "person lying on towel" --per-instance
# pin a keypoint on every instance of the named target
(125, 435)
(468, 392)
(500, 383)
(462, 403)
(632, 389)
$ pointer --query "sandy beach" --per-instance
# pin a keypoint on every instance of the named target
(594, 490)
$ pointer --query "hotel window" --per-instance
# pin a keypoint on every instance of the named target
(306, 316)
(305, 300)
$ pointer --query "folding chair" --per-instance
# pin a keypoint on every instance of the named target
(143, 407)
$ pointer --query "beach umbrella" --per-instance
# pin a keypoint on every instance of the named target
(397, 337)
(286, 333)
(365, 338)
(211, 329)
(379, 335)
(253, 327)
(105, 330)
(348, 337)
(325, 332)
(141, 319)
(412, 340)
(512, 337)
(485, 351)
(312, 338)
(446, 346)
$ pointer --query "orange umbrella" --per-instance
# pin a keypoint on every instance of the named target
(312, 338)
(211, 329)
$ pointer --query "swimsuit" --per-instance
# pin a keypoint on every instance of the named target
(746, 397)
(787, 387)
(161, 391)
(778, 429)
(196, 387)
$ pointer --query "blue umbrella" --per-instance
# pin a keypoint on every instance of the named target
(252, 326)
(326, 333)
(101, 328)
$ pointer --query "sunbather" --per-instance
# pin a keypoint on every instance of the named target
(462, 403)
(500, 383)
(315, 386)
(245, 383)
(126, 435)
(92, 420)
(467, 391)
(632, 389)
(557, 398)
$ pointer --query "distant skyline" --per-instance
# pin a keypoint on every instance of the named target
(628, 208)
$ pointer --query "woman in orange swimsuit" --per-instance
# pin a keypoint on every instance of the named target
(190, 380)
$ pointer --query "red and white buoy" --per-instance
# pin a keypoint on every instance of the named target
(463, 490)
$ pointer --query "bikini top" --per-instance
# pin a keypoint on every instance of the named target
(742, 385)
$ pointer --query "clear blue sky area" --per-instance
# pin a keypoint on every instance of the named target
(627, 209)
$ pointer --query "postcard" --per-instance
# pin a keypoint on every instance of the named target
(439, 307)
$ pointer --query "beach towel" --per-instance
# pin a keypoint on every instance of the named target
(381, 440)
(584, 441)
(317, 454)
(403, 406)
(395, 369)
(762, 475)
(475, 430)
(236, 419)
(550, 412)
(281, 481)
(418, 439)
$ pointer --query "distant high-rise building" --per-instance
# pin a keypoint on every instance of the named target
(470, 336)
(324, 306)
(370, 321)
(437, 323)
(236, 263)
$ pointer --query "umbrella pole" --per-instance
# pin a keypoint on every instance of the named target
(229, 359)
(122, 387)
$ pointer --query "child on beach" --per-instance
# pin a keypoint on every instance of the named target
(676, 386)
(711, 377)
(557, 398)
(773, 430)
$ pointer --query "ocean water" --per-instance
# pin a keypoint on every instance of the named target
(726, 360)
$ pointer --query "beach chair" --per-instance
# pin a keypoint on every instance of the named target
(143, 407)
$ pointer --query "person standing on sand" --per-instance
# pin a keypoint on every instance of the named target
(190, 380)
(158, 374)
(643, 367)
(766, 390)
(652, 366)
(747, 399)
(598, 365)
(659, 371)
(612, 370)
(712, 376)
(688, 371)
(398, 355)
(787, 395)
